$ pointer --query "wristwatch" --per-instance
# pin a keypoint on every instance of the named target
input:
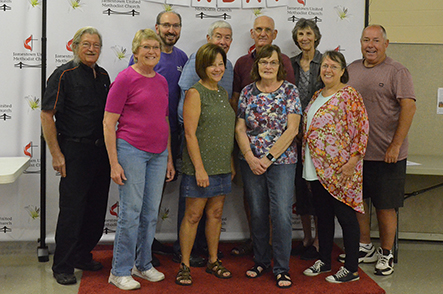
(271, 157)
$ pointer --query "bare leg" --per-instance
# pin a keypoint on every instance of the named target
(364, 221)
(193, 213)
(387, 222)
(214, 212)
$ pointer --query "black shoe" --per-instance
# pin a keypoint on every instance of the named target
(92, 266)
(159, 248)
(310, 254)
(65, 279)
(194, 261)
(155, 261)
(299, 249)
(205, 252)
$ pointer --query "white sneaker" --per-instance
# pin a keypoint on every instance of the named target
(343, 276)
(385, 263)
(123, 282)
(151, 275)
(364, 255)
(318, 268)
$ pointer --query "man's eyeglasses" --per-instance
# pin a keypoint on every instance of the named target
(88, 45)
(166, 25)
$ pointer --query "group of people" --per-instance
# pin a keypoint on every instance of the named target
(310, 126)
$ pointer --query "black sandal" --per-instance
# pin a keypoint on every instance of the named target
(258, 269)
(184, 274)
(283, 277)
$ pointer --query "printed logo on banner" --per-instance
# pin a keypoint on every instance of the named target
(343, 13)
(34, 166)
(64, 58)
(5, 7)
(75, 4)
(28, 58)
(33, 211)
(302, 10)
(34, 3)
(5, 112)
(5, 224)
(121, 7)
(120, 52)
(111, 224)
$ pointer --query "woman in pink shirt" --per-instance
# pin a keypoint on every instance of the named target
(140, 157)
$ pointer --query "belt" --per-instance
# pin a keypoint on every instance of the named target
(98, 142)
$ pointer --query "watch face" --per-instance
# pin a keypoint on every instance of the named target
(270, 157)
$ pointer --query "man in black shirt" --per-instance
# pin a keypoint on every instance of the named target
(75, 97)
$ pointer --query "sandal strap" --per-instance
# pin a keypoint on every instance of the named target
(217, 267)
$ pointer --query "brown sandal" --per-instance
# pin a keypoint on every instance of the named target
(184, 274)
(218, 270)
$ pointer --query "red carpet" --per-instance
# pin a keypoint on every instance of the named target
(97, 282)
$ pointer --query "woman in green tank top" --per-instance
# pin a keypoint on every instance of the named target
(207, 167)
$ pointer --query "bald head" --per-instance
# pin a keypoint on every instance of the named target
(263, 32)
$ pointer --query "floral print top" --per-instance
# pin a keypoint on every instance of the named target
(266, 118)
(339, 130)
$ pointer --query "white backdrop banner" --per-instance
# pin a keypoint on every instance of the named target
(340, 23)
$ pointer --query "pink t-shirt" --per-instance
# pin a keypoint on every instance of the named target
(381, 87)
(143, 107)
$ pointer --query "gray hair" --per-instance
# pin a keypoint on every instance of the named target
(77, 38)
(219, 24)
(383, 30)
(304, 23)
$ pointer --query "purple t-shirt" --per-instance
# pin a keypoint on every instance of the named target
(143, 107)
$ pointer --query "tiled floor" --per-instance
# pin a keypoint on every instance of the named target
(420, 270)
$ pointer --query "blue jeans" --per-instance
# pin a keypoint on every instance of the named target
(140, 198)
(271, 194)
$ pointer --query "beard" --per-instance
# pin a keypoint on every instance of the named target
(167, 42)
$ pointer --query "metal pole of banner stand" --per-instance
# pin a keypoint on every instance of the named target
(367, 13)
(42, 250)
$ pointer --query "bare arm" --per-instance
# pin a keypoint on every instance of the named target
(50, 134)
(191, 116)
(109, 123)
(170, 170)
(404, 123)
(234, 101)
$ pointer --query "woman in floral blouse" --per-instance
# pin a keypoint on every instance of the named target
(336, 131)
(268, 117)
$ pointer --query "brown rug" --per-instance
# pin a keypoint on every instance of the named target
(97, 282)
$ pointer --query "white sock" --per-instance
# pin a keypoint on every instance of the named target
(366, 246)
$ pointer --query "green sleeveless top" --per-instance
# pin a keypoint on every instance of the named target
(215, 132)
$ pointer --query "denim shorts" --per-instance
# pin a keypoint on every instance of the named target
(218, 185)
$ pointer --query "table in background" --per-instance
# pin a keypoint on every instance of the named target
(11, 168)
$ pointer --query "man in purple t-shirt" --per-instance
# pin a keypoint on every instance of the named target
(388, 93)
(172, 60)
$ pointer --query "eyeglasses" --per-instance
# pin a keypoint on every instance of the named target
(148, 48)
(88, 45)
(259, 30)
(273, 63)
(219, 37)
(166, 25)
(332, 67)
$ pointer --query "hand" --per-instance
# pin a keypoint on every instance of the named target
(202, 178)
(257, 166)
(59, 165)
(391, 155)
(346, 173)
(118, 174)
(170, 171)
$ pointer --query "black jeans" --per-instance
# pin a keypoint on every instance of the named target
(82, 203)
(327, 207)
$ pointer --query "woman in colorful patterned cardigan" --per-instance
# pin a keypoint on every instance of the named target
(336, 131)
